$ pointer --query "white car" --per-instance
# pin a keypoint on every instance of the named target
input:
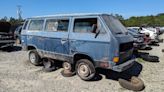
(161, 29)
(152, 34)
(156, 30)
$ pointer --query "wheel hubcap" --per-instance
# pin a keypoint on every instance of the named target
(83, 70)
(67, 66)
(32, 58)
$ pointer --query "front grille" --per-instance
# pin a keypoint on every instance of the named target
(125, 57)
(126, 52)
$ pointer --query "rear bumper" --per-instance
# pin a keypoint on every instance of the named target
(124, 66)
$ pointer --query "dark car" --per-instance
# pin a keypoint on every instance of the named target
(6, 35)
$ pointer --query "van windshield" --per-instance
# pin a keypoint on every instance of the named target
(114, 24)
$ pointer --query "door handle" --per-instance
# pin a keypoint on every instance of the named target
(63, 41)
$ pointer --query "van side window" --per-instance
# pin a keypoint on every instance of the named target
(36, 24)
(25, 24)
(57, 25)
(88, 25)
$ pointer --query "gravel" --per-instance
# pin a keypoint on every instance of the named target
(18, 75)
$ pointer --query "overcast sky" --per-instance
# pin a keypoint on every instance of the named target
(127, 8)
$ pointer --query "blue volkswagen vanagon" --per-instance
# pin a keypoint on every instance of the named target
(83, 41)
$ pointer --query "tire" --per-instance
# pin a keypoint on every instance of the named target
(162, 50)
(85, 69)
(67, 66)
(49, 69)
(67, 73)
(150, 58)
(161, 40)
(34, 58)
(48, 65)
(135, 84)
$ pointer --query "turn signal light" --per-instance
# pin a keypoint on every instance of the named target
(116, 59)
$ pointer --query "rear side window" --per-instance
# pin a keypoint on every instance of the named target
(25, 24)
(85, 25)
(57, 25)
(36, 25)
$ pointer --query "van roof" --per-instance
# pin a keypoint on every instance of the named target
(71, 15)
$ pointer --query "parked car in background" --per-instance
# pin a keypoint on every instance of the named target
(155, 30)
(82, 41)
(161, 29)
(134, 30)
(153, 35)
(6, 35)
(140, 41)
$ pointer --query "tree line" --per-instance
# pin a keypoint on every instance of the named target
(150, 20)
(12, 21)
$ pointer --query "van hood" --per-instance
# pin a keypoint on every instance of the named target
(124, 38)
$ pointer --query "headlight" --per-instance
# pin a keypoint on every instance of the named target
(140, 39)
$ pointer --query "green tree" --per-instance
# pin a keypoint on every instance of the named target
(151, 20)
(120, 17)
(14, 21)
(4, 19)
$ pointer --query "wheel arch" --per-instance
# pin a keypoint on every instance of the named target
(31, 47)
(79, 56)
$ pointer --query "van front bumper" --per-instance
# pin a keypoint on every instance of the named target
(124, 66)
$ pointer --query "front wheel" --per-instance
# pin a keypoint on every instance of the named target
(85, 69)
(34, 57)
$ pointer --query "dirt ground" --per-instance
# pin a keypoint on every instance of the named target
(18, 75)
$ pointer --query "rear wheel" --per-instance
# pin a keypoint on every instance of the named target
(34, 57)
(85, 69)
